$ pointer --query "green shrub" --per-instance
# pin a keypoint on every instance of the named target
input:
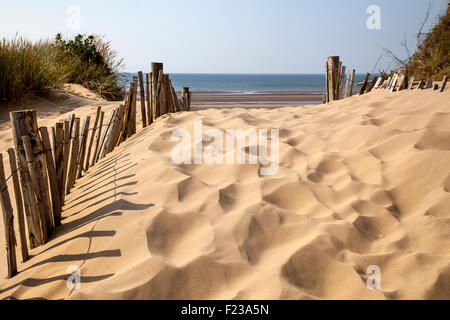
(432, 58)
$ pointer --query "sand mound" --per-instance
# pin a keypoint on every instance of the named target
(363, 181)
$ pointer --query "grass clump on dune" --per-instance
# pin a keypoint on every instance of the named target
(33, 68)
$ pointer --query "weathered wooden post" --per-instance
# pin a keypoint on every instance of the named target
(102, 141)
(8, 222)
(34, 179)
(66, 153)
(186, 94)
(19, 205)
(91, 142)
(83, 146)
(148, 96)
(97, 139)
(59, 158)
(341, 82)
(411, 83)
(29, 197)
(157, 67)
(73, 156)
(56, 198)
(372, 84)
(364, 85)
(352, 82)
(403, 79)
(347, 83)
(24, 123)
(142, 96)
(333, 77)
(444, 84)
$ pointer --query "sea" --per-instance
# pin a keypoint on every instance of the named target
(236, 84)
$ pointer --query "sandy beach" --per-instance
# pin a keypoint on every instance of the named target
(362, 181)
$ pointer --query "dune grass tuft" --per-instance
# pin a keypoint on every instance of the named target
(33, 68)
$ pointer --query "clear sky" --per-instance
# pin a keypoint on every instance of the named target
(228, 36)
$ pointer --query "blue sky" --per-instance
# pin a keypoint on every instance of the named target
(233, 36)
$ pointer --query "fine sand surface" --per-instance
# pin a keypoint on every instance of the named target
(363, 181)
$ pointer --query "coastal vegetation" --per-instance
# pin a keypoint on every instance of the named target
(33, 68)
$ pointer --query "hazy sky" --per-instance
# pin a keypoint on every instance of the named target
(232, 36)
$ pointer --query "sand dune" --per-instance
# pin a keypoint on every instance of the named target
(363, 181)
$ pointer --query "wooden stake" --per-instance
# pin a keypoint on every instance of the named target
(8, 222)
(444, 84)
(56, 197)
(19, 206)
(364, 86)
(333, 77)
(83, 146)
(148, 95)
(29, 197)
(142, 96)
(59, 159)
(105, 132)
(341, 83)
(411, 83)
(34, 179)
(91, 142)
(97, 139)
(27, 126)
(327, 82)
(347, 83)
(157, 67)
(352, 82)
(73, 156)
(372, 84)
(186, 98)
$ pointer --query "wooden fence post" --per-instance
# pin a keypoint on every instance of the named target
(73, 156)
(186, 98)
(27, 126)
(372, 84)
(157, 67)
(347, 83)
(56, 198)
(34, 179)
(19, 206)
(82, 152)
(59, 158)
(102, 141)
(411, 83)
(333, 77)
(364, 85)
(91, 142)
(444, 84)
(97, 139)
(8, 222)
(341, 82)
(29, 198)
(352, 82)
(142, 96)
(148, 95)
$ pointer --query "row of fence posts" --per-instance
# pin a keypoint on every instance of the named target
(338, 86)
(401, 81)
(43, 173)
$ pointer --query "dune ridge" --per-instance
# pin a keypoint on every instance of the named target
(362, 181)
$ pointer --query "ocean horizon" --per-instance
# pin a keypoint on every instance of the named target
(236, 83)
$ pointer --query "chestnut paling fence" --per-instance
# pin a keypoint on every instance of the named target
(43, 172)
(339, 86)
